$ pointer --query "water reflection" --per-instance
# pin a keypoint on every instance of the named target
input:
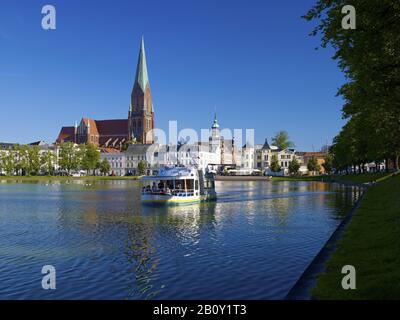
(252, 243)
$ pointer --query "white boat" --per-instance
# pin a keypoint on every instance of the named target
(178, 185)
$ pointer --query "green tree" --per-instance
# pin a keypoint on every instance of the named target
(47, 161)
(369, 57)
(328, 163)
(68, 158)
(21, 163)
(105, 166)
(313, 165)
(294, 166)
(130, 142)
(281, 140)
(89, 157)
(8, 163)
(33, 160)
(142, 166)
(275, 166)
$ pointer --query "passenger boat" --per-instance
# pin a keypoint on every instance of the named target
(178, 185)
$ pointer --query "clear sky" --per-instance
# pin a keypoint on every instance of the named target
(251, 60)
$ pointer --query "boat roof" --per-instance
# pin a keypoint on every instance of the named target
(173, 173)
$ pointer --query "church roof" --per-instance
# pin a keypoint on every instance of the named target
(113, 127)
(92, 124)
(66, 134)
(142, 77)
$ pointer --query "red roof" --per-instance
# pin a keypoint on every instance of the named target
(111, 133)
(110, 150)
(118, 127)
(317, 154)
(93, 126)
(66, 134)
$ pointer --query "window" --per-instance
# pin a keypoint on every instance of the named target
(134, 126)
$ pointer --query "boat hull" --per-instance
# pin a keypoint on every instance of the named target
(174, 200)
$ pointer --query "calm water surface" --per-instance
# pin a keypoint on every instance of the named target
(253, 243)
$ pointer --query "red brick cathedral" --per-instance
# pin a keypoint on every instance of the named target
(114, 133)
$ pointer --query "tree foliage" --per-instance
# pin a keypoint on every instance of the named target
(89, 157)
(294, 166)
(105, 166)
(313, 165)
(47, 160)
(328, 164)
(142, 165)
(69, 159)
(275, 166)
(369, 56)
(7, 161)
(282, 141)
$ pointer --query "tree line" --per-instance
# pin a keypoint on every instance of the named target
(369, 56)
(30, 160)
(282, 141)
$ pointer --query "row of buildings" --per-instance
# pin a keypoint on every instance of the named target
(126, 142)
(221, 156)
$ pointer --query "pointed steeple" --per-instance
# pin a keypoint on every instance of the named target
(142, 77)
(215, 123)
(141, 111)
(266, 144)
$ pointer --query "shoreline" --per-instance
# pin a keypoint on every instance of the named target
(302, 289)
(242, 178)
(339, 248)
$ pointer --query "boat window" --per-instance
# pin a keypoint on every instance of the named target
(196, 185)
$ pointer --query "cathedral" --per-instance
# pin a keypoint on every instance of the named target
(115, 133)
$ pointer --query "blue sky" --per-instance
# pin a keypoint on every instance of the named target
(252, 60)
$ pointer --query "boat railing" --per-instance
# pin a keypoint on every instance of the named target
(175, 192)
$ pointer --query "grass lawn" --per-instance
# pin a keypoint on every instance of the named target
(299, 178)
(360, 178)
(371, 243)
(355, 178)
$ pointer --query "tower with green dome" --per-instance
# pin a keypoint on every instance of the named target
(215, 138)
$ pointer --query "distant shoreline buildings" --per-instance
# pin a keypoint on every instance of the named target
(127, 142)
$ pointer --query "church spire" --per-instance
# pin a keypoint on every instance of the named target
(215, 123)
(141, 113)
(142, 78)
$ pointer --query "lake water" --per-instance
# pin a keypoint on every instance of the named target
(252, 243)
